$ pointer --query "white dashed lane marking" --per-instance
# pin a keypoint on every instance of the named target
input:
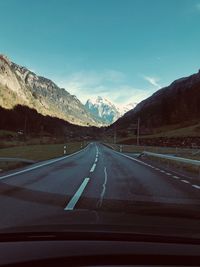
(175, 177)
(77, 195)
(93, 167)
(185, 181)
(196, 186)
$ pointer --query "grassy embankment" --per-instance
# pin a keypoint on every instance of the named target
(36, 149)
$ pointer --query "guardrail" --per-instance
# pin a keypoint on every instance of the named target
(174, 158)
(176, 151)
(179, 160)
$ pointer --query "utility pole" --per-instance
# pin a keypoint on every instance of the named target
(115, 137)
(138, 132)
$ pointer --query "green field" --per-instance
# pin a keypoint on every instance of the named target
(39, 152)
(173, 131)
(36, 153)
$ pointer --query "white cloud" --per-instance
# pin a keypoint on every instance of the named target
(87, 84)
(153, 81)
(110, 84)
(126, 94)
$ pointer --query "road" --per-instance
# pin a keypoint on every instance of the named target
(95, 178)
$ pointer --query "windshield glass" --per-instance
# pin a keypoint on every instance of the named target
(99, 116)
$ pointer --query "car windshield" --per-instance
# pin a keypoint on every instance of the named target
(100, 117)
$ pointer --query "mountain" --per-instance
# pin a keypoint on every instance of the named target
(125, 108)
(176, 104)
(105, 111)
(18, 85)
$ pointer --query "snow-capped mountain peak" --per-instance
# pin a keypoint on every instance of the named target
(105, 110)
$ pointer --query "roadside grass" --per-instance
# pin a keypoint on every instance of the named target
(6, 166)
(10, 139)
(4, 133)
(40, 152)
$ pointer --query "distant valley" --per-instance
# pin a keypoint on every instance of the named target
(173, 107)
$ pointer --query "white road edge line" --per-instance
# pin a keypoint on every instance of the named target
(93, 167)
(40, 165)
(143, 163)
(77, 195)
(148, 165)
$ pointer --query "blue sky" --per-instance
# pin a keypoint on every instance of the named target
(121, 49)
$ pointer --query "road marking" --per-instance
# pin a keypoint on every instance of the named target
(96, 159)
(196, 186)
(77, 195)
(141, 162)
(41, 165)
(185, 181)
(104, 188)
(168, 173)
(176, 177)
(93, 167)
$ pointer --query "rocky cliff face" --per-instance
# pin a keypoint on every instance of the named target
(179, 103)
(18, 85)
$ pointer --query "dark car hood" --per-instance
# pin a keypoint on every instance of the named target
(91, 221)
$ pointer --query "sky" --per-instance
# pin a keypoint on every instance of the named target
(120, 49)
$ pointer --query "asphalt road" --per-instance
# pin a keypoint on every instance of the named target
(95, 178)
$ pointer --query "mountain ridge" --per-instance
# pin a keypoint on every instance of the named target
(177, 103)
(18, 85)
